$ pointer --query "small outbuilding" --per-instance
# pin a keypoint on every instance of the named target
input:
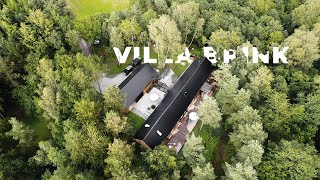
(137, 84)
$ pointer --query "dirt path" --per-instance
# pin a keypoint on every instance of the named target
(220, 155)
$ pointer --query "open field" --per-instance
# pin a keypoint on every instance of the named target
(84, 8)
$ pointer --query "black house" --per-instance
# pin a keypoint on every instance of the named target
(161, 122)
(137, 83)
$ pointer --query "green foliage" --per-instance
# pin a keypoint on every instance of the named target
(7, 73)
(225, 39)
(116, 38)
(114, 123)
(299, 82)
(86, 145)
(247, 115)
(306, 14)
(210, 112)
(86, 111)
(21, 133)
(113, 99)
(261, 6)
(290, 160)
(161, 6)
(193, 151)
(203, 173)
(65, 82)
(252, 151)
(280, 84)
(48, 154)
(187, 17)
(135, 121)
(241, 171)
(41, 75)
(12, 167)
(229, 98)
(260, 83)
(130, 30)
(304, 49)
(161, 160)
(247, 132)
(164, 32)
(228, 22)
(119, 160)
(210, 140)
(90, 28)
(284, 120)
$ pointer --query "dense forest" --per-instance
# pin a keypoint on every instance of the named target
(262, 123)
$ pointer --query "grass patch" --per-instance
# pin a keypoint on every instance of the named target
(178, 68)
(210, 140)
(85, 8)
(135, 120)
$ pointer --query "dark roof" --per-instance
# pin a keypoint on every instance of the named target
(136, 82)
(169, 111)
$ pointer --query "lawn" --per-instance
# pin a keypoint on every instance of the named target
(217, 149)
(135, 120)
(178, 68)
(210, 139)
(135, 123)
(84, 8)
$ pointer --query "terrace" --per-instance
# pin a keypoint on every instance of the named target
(189, 120)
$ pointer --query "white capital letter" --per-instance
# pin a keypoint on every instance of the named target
(210, 54)
(227, 57)
(256, 56)
(136, 52)
(279, 55)
(184, 57)
(147, 56)
(122, 58)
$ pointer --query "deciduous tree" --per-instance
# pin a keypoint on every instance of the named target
(130, 30)
(187, 16)
(304, 49)
(203, 173)
(193, 151)
(241, 171)
(290, 159)
(161, 161)
(21, 133)
(164, 32)
(230, 98)
(253, 150)
(209, 112)
(260, 83)
(247, 115)
(306, 14)
(114, 123)
(119, 160)
(116, 38)
(225, 39)
(86, 111)
(247, 132)
(161, 6)
(113, 99)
